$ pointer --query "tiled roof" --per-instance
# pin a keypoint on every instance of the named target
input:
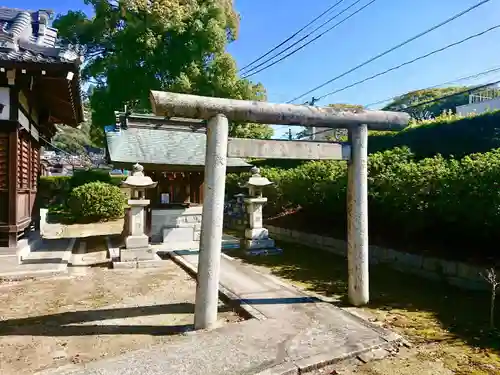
(26, 36)
(31, 57)
(161, 146)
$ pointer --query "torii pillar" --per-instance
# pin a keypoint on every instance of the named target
(218, 112)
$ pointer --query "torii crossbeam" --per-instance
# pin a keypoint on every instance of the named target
(218, 112)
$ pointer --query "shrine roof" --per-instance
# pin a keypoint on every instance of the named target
(31, 56)
(179, 146)
(26, 36)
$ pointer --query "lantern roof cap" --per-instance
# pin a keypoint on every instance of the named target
(256, 179)
(137, 180)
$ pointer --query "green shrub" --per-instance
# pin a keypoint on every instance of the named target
(448, 206)
(96, 201)
(52, 190)
(81, 177)
(56, 189)
(273, 193)
(447, 135)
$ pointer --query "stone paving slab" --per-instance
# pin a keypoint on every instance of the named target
(50, 256)
(295, 334)
(246, 348)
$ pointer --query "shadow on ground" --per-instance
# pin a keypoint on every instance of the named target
(428, 310)
(67, 323)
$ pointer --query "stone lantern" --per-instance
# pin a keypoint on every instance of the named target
(239, 209)
(137, 242)
(256, 236)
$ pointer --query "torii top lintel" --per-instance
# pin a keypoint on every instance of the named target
(201, 107)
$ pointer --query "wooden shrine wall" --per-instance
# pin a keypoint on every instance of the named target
(4, 178)
(182, 187)
(18, 180)
(28, 165)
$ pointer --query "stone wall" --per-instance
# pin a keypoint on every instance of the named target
(456, 273)
(178, 229)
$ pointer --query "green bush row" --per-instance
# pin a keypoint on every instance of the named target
(451, 205)
(54, 190)
(448, 135)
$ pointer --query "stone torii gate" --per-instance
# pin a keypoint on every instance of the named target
(218, 112)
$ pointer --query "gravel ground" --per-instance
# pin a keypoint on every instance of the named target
(407, 362)
(48, 323)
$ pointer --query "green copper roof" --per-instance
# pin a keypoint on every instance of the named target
(160, 146)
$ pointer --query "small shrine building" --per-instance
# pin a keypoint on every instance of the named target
(172, 152)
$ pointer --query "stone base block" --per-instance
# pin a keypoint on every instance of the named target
(259, 244)
(136, 254)
(88, 259)
(256, 234)
(230, 242)
(178, 234)
(24, 246)
(260, 252)
(137, 242)
(179, 245)
(141, 264)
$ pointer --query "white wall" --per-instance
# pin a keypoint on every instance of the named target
(4, 99)
(487, 105)
(178, 228)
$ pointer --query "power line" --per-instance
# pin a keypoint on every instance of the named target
(464, 78)
(292, 36)
(467, 91)
(411, 61)
(441, 84)
(458, 15)
(309, 102)
(247, 73)
(315, 38)
(55, 147)
(63, 151)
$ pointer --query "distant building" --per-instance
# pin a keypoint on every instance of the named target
(480, 102)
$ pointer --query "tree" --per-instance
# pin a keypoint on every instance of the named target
(73, 140)
(134, 46)
(432, 109)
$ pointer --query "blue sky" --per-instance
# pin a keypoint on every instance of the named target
(383, 24)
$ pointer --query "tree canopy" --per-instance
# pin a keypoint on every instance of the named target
(432, 109)
(73, 140)
(134, 46)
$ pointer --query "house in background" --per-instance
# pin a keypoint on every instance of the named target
(39, 87)
(482, 101)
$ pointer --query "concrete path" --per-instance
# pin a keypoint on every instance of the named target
(292, 333)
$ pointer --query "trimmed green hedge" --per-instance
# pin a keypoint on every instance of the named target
(448, 135)
(55, 189)
(449, 206)
(96, 201)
